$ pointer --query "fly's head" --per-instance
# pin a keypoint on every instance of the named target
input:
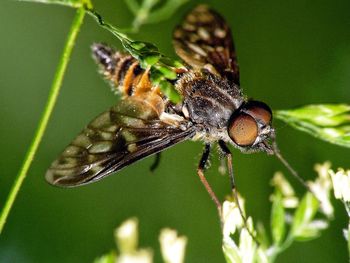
(250, 127)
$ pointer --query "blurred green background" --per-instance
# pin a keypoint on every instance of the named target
(290, 53)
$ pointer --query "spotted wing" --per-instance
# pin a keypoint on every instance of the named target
(204, 40)
(126, 133)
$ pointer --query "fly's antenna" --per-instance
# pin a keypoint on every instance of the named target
(273, 149)
(279, 156)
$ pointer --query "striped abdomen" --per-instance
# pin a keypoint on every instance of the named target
(127, 77)
(123, 71)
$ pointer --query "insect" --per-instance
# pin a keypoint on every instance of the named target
(145, 122)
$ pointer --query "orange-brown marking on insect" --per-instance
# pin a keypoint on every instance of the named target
(181, 70)
(152, 94)
(129, 77)
(144, 85)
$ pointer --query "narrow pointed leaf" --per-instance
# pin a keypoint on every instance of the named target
(328, 122)
(71, 3)
(307, 234)
(262, 235)
(277, 218)
(304, 214)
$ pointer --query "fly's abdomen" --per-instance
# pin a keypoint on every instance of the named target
(126, 75)
(120, 69)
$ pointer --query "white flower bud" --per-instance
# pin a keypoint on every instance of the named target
(322, 186)
(232, 217)
(127, 235)
(172, 246)
(341, 184)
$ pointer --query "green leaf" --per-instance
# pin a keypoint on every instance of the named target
(171, 62)
(303, 216)
(166, 72)
(169, 91)
(307, 234)
(165, 86)
(262, 235)
(149, 56)
(277, 218)
(328, 122)
(71, 3)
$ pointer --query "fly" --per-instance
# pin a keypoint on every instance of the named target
(145, 122)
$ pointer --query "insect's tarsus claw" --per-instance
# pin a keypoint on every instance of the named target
(155, 163)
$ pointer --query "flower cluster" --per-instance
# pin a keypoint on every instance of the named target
(292, 219)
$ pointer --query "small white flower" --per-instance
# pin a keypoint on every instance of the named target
(318, 224)
(231, 251)
(127, 236)
(346, 234)
(246, 251)
(322, 186)
(289, 199)
(341, 184)
(172, 246)
(247, 245)
(139, 256)
(290, 202)
(232, 217)
(281, 182)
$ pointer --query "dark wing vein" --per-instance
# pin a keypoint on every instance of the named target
(126, 133)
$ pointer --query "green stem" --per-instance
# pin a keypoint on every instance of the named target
(280, 248)
(56, 84)
(142, 14)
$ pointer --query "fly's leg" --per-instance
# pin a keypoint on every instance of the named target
(227, 153)
(200, 172)
(155, 163)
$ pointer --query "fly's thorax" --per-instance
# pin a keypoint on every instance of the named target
(209, 100)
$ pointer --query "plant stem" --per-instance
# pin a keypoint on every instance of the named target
(142, 14)
(54, 91)
(280, 248)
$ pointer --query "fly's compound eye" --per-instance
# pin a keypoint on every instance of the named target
(243, 130)
(259, 111)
